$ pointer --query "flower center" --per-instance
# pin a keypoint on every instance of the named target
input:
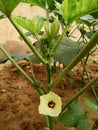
(51, 104)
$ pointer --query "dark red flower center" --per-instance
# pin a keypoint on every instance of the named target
(51, 104)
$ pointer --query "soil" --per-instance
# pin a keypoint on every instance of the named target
(19, 100)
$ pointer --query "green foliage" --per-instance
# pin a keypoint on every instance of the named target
(15, 56)
(83, 123)
(75, 117)
(95, 14)
(92, 104)
(67, 51)
(89, 20)
(7, 6)
(73, 9)
(41, 3)
(34, 26)
(18, 57)
(51, 29)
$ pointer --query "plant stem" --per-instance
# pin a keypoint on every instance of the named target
(47, 17)
(83, 64)
(28, 42)
(48, 57)
(80, 92)
(47, 121)
(51, 123)
(49, 75)
(78, 57)
(38, 88)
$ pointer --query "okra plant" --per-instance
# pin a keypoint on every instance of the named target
(52, 45)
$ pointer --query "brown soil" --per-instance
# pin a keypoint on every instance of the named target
(19, 100)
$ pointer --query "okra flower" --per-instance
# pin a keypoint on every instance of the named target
(50, 104)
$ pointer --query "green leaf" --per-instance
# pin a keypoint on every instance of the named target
(69, 118)
(25, 1)
(35, 3)
(34, 26)
(73, 9)
(41, 3)
(73, 115)
(89, 20)
(91, 104)
(18, 57)
(7, 6)
(37, 23)
(83, 123)
(15, 56)
(75, 106)
(67, 51)
(24, 22)
(95, 14)
(55, 26)
(52, 29)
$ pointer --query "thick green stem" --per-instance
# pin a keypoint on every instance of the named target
(80, 92)
(47, 121)
(79, 56)
(39, 88)
(48, 66)
(51, 123)
(28, 42)
(49, 75)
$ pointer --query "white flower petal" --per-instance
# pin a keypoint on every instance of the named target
(50, 104)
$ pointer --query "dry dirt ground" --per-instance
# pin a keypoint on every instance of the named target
(18, 98)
